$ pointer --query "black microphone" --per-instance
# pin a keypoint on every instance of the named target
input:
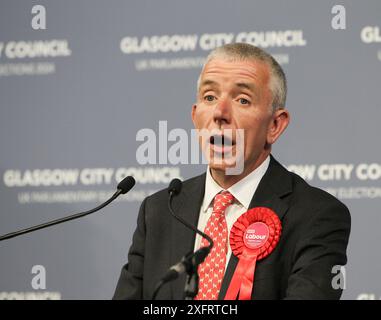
(123, 187)
(175, 187)
(192, 259)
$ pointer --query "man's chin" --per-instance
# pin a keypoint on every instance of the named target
(222, 165)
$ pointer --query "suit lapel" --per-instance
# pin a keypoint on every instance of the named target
(275, 184)
(187, 205)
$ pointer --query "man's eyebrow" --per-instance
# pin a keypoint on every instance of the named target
(208, 82)
(248, 86)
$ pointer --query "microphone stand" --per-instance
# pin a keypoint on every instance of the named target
(189, 263)
(191, 260)
(191, 284)
(123, 187)
(57, 221)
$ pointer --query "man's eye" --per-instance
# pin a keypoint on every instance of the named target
(244, 101)
(209, 98)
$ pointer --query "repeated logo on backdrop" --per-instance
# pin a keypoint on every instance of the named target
(204, 42)
(21, 55)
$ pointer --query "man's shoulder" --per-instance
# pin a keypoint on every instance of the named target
(314, 197)
(299, 192)
(194, 182)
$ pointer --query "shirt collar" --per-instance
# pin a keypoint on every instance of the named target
(243, 191)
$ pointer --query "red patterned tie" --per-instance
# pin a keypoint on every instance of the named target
(211, 271)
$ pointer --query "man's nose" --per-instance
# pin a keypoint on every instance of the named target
(222, 111)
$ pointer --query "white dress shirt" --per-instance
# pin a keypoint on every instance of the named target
(243, 191)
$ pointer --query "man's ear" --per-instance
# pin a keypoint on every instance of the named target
(194, 112)
(278, 123)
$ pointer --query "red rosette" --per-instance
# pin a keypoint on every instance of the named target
(253, 237)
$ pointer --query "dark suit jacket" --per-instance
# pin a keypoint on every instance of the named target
(314, 238)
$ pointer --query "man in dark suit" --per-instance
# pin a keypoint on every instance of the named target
(241, 87)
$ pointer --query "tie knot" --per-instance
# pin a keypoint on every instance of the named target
(222, 201)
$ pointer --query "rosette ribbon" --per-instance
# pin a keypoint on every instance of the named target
(253, 237)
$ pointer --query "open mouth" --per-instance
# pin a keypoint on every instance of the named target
(221, 140)
(221, 143)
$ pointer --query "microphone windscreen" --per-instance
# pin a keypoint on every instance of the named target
(175, 186)
(126, 184)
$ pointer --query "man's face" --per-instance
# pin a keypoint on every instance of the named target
(234, 95)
